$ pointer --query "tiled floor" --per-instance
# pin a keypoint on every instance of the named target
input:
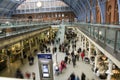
(79, 68)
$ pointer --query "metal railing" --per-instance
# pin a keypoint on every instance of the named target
(42, 10)
(109, 35)
(21, 27)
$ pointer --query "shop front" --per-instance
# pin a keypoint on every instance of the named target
(116, 73)
(3, 59)
(14, 52)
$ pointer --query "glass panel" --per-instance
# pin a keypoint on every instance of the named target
(85, 28)
(118, 41)
(17, 27)
(92, 31)
(110, 37)
(96, 32)
(101, 34)
(89, 29)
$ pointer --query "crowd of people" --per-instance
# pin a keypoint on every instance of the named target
(72, 56)
(65, 47)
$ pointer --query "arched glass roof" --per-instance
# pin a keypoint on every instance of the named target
(8, 6)
(41, 6)
(32, 4)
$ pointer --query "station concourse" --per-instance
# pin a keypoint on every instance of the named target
(39, 36)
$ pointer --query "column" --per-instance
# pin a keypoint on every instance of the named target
(96, 58)
(8, 58)
(36, 43)
(109, 71)
(80, 39)
(22, 47)
(85, 44)
(89, 53)
(22, 56)
(30, 46)
(96, 61)
(82, 45)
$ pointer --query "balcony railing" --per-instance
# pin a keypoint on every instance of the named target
(42, 10)
(17, 27)
(108, 35)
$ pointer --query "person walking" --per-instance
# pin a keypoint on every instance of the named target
(74, 61)
(69, 58)
(19, 74)
(32, 59)
(83, 76)
(33, 75)
(72, 76)
(27, 74)
(66, 59)
(83, 54)
(77, 78)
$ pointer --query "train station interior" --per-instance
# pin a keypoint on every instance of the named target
(59, 39)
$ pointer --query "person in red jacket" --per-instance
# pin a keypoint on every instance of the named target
(83, 54)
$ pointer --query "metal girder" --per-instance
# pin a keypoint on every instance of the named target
(15, 6)
(79, 4)
(74, 6)
(6, 6)
(4, 12)
(88, 10)
(81, 8)
(82, 4)
(81, 16)
(80, 11)
(93, 3)
(77, 8)
(89, 4)
(68, 3)
(93, 10)
(1, 1)
(102, 7)
(85, 4)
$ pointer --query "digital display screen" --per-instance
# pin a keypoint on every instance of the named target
(45, 68)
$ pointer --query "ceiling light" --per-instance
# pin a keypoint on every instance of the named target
(39, 4)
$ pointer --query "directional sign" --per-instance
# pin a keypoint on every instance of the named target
(45, 56)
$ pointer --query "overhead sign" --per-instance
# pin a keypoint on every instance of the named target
(45, 56)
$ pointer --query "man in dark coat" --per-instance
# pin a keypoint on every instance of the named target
(83, 76)
(72, 76)
(19, 74)
(66, 59)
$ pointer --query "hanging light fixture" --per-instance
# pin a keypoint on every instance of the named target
(39, 4)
